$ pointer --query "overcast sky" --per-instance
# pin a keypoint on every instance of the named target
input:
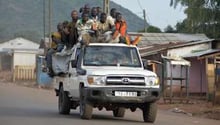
(159, 13)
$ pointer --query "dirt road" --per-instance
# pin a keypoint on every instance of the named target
(30, 106)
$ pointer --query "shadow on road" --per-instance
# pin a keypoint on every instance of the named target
(110, 118)
(27, 112)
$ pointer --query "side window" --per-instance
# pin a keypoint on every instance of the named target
(133, 56)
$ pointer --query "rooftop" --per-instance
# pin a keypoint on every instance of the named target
(19, 43)
(164, 38)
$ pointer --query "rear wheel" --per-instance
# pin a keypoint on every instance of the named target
(63, 102)
(85, 107)
(119, 112)
(149, 112)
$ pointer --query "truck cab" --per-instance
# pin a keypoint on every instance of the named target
(110, 76)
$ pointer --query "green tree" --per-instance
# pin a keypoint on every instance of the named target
(153, 29)
(203, 16)
(169, 29)
(181, 27)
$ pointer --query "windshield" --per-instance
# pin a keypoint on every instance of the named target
(111, 56)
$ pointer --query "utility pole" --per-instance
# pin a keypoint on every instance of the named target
(44, 12)
(50, 21)
(106, 6)
(145, 21)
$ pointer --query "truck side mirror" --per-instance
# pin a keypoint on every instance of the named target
(73, 63)
(145, 63)
(148, 65)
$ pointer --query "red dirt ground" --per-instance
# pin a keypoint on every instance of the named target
(195, 107)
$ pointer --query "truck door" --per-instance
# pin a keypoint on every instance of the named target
(73, 80)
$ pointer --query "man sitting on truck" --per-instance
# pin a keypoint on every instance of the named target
(99, 11)
(85, 9)
(84, 27)
(104, 24)
(112, 15)
(95, 21)
(104, 28)
(65, 35)
(56, 46)
(121, 31)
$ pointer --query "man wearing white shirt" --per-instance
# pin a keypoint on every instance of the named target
(112, 15)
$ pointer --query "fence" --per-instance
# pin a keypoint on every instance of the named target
(24, 73)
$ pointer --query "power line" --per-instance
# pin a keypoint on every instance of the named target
(144, 14)
(139, 3)
(138, 12)
(148, 18)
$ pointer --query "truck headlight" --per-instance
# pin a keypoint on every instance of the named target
(151, 81)
(96, 80)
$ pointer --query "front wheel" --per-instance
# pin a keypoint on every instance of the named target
(119, 112)
(149, 112)
(85, 107)
(63, 102)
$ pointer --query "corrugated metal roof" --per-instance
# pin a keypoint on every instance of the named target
(176, 60)
(202, 53)
(153, 49)
(147, 51)
(191, 43)
(19, 43)
(164, 38)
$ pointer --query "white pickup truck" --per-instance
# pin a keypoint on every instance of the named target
(110, 76)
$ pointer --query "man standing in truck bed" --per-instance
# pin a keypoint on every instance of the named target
(73, 36)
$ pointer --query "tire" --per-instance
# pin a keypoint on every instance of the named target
(119, 112)
(63, 102)
(85, 108)
(149, 112)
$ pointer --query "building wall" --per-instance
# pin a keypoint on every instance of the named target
(198, 78)
(187, 49)
(25, 59)
(5, 61)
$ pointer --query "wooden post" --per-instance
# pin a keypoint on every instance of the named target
(50, 21)
(145, 21)
(201, 80)
(106, 6)
(163, 77)
(187, 81)
(171, 82)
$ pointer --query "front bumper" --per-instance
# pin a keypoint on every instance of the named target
(107, 95)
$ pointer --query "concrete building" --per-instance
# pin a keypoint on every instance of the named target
(200, 51)
(18, 51)
(18, 56)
